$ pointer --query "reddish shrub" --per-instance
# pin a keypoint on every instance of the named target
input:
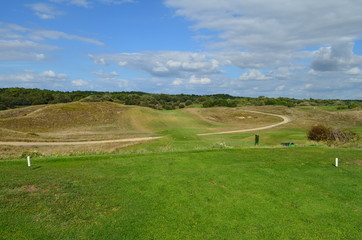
(318, 133)
(323, 133)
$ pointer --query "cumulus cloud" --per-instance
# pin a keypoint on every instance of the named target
(280, 88)
(49, 74)
(254, 74)
(354, 71)
(162, 63)
(177, 82)
(337, 57)
(103, 74)
(30, 78)
(195, 80)
(44, 10)
(276, 24)
(270, 36)
(79, 82)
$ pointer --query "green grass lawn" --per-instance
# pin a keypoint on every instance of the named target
(260, 193)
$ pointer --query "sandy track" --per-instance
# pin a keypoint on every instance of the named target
(285, 121)
(77, 143)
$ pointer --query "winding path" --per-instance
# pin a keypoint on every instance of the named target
(285, 121)
(77, 143)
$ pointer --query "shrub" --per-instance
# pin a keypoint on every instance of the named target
(343, 136)
(318, 133)
(327, 134)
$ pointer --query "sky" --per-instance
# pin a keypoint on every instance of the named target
(273, 48)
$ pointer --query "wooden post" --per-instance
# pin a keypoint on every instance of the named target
(29, 164)
(336, 162)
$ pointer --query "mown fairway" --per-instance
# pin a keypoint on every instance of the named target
(265, 193)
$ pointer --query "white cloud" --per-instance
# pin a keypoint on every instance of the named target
(177, 82)
(103, 74)
(354, 71)
(254, 74)
(122, 63)
(355, 80)
(160, 68)
(117, 84)
(162, 63)
(273, 24)
(49, 74)
(79, 82)
(307, 86)
(335, 58)
(33, 79)
(195, 80)
(32, 34)
(114, 74)
(280, 88)
(80, 3)
(266, 35)
(44, 10)
(89, 3)
(21, 43)
(312, 72)
(116, 2)
(55, 35)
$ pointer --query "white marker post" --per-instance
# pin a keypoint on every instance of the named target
(28, 158)
(336, 162)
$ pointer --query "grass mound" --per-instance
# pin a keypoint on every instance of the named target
(73, 121)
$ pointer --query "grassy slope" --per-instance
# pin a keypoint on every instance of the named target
(284, 193)
(95, 121)
(90, 121)
(72, 121)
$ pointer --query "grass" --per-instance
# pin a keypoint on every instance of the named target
(99, 121)
(261, 193)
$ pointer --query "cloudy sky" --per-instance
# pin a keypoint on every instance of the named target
(273, 48)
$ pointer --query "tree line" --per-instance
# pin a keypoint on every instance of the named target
(17, 97)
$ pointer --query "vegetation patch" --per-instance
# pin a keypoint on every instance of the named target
(15, 97)
(331, 135)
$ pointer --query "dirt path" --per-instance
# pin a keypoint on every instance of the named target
(285, 121)
(77, 143)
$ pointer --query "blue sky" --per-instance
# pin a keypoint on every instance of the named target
(289, 48)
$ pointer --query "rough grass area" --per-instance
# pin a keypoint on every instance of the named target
(179, 128)
(283, 193)
(97, 121)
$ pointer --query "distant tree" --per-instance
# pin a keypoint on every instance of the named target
(188, 102)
